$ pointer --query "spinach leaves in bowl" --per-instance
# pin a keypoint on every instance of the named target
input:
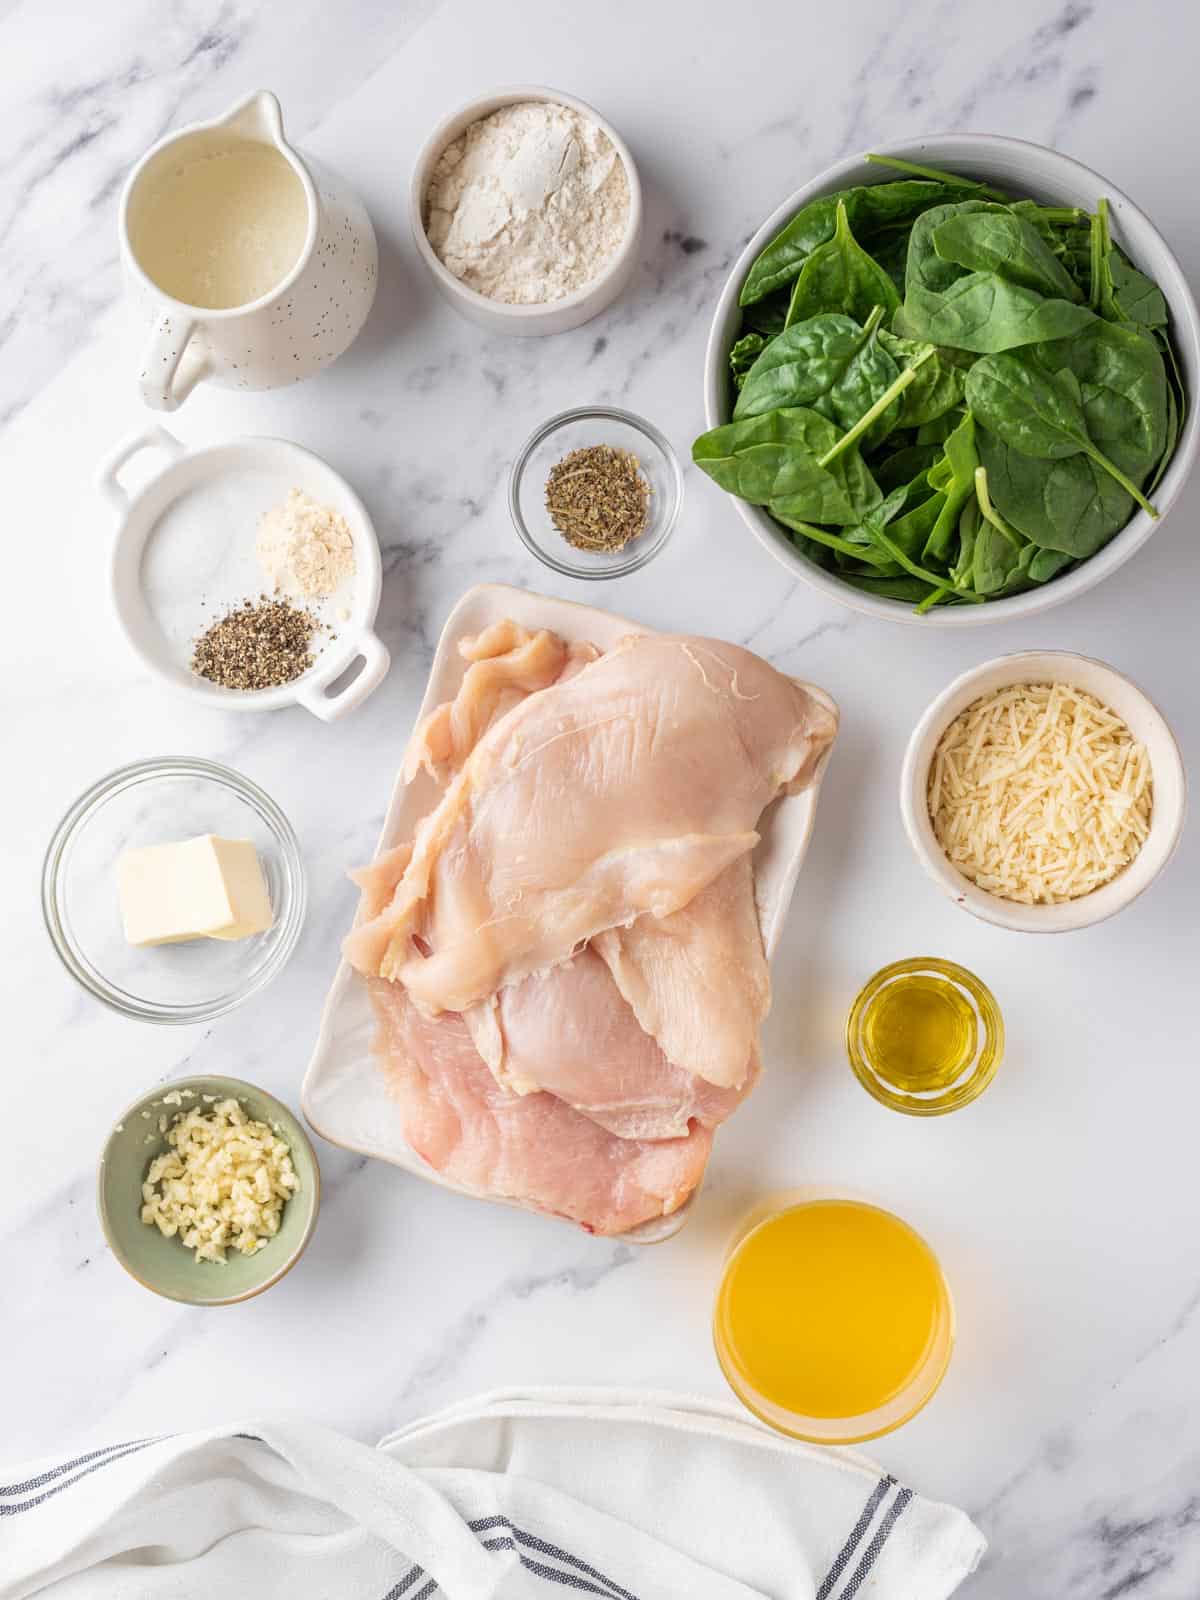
(946, 394)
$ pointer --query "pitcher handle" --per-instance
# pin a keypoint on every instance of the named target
(107, 479)
(311, 694)
(165, 380)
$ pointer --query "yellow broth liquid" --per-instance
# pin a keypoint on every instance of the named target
(919, 1032)
(829, 1310)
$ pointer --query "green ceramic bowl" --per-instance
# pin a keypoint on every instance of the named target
(166, 1266)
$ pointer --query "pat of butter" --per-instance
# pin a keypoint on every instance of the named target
(205, 888)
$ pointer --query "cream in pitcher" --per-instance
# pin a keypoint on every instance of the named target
(256, 268)
(221, 229)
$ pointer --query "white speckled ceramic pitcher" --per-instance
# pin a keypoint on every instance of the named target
(302, 324)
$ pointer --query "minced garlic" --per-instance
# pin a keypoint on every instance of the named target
(223, 1183)
(1038, 793)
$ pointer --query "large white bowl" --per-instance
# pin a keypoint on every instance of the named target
(1022, 168)
(1143, 719)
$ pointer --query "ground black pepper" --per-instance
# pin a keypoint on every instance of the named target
(261, 644)
(598, 498)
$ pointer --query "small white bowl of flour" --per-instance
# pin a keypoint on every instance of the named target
(527, 210)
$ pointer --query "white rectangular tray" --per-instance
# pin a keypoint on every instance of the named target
(343, 1095)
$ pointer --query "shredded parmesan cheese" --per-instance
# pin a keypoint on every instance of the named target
(1039, 793)
(222, 1184)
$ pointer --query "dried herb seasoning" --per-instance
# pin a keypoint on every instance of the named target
(598, 498)
(261, 644)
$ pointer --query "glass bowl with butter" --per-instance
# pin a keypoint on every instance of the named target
(173, 890)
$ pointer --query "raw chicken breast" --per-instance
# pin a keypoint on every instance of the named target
(570, 1032)
(618, 960)
(364, 946)
(507, 663)
(622, 792)
(697, 980)
(530, 1148)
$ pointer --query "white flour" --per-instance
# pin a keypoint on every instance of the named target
(528, 204)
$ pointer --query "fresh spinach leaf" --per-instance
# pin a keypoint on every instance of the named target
(981, 311)
(868, 207)
(888, 540)
(914, 591)
(1174, 371)
(912, 531)
(940, 428)
(1038, 412)
(1119, 292)
(996, 560)
(767, 316)
(889, 247)
(962, 572)
(985, 313)
(962, 462)
(780, 457)
(1173, 426)
(828, 358)
(938, 388)
(1123, 387)
(839, 275)
(904, 466)
(1047, 564)
(744, 354)
(1071, 506)
(994, 239)
(859, 552)
(774, 456)
(864, 430)
(1137, 297)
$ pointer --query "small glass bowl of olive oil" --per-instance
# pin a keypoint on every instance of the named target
(833, 1321)
(925, 1036)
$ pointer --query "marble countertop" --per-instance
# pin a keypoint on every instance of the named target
(1064, 1204)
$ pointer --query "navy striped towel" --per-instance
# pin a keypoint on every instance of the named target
(621, 1495)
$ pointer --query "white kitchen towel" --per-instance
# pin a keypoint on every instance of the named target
(519, 1495)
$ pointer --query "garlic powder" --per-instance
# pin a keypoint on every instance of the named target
(304, 548)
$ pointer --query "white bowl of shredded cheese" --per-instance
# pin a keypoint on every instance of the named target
(1043, 791)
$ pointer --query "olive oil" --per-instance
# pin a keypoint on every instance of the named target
(920, 1032)
(833, 1320)
(925, 1036)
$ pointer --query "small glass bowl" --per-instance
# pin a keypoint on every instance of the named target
(983, 1050)
(153, 802)
(578, 430)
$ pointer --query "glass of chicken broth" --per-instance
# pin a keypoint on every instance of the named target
(219, 223)
(833, 1320)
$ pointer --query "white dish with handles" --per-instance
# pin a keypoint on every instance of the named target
(1144, 720)
(343, 1096)
(184, 554)
(1022, 168)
